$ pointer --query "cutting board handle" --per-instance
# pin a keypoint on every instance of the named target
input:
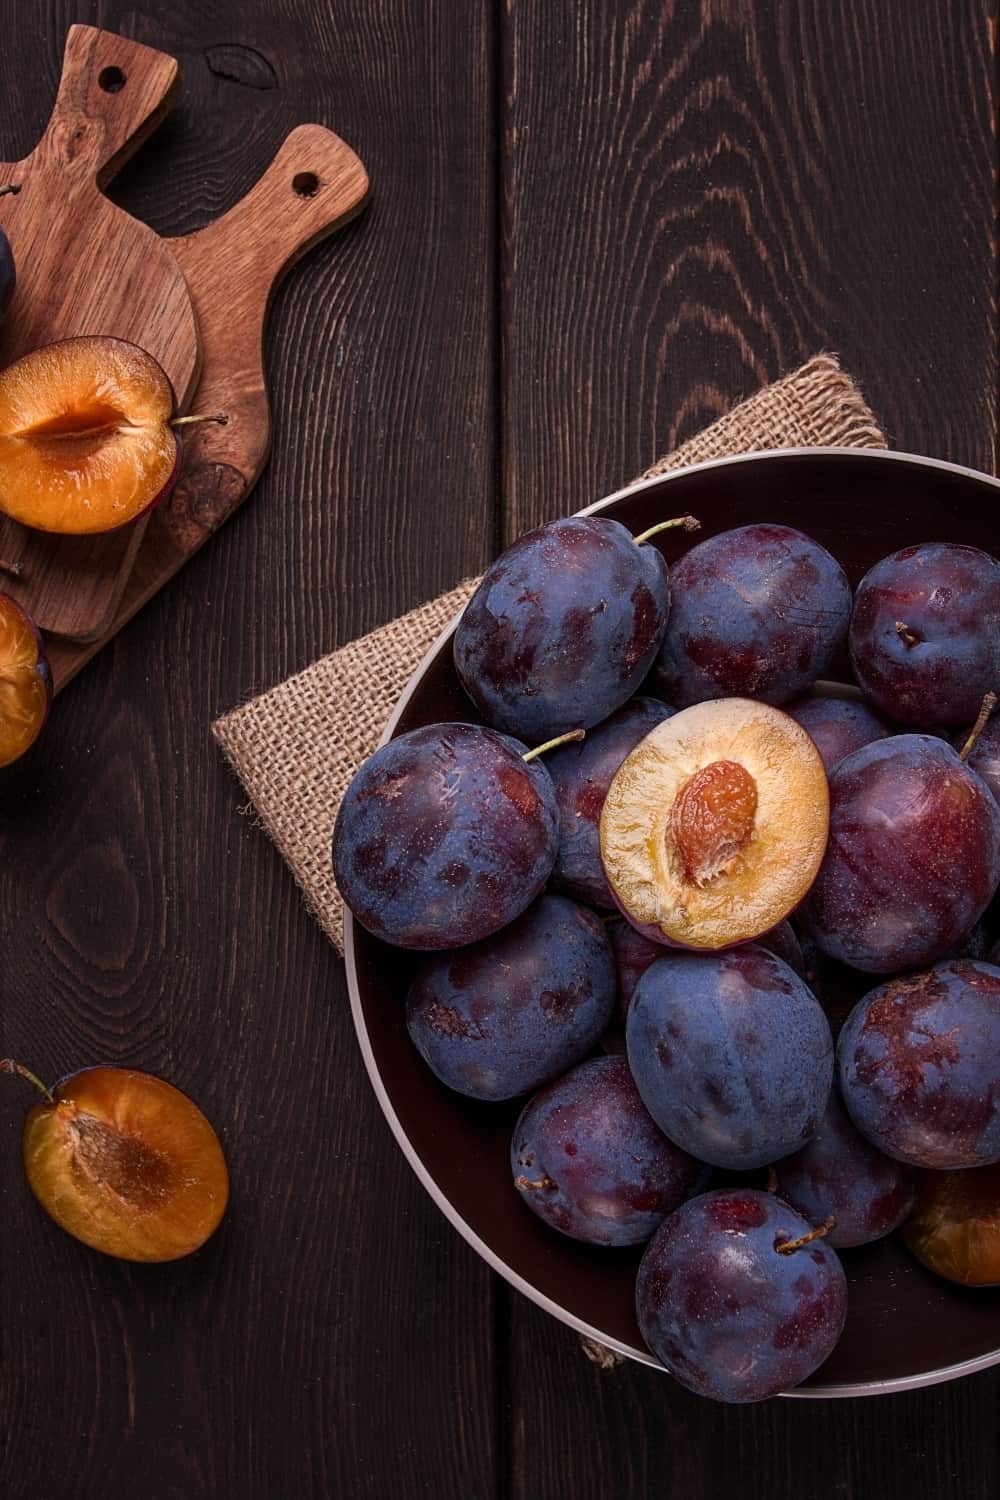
(112, 94)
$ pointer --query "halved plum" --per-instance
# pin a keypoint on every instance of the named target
(86, 436)
(25, 682)
(955, 1228)
(125, 1162)
(714, 827)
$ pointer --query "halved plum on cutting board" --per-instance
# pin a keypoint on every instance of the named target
(25, 682)
(86, 441)
(714, 827)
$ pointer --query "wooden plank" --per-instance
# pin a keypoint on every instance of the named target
(337, 1338)
(694, 199)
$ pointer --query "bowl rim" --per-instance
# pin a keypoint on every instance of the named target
(510, 1275)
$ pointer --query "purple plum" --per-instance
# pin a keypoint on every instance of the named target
(506, 1015)
(589, 1161)
(838, 726)
(7, 274)
(984, 757)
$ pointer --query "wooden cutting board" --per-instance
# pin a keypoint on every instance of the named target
(228, 273)
(85, 266)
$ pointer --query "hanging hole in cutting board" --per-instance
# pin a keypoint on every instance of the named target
(112, 80)
(306, 184)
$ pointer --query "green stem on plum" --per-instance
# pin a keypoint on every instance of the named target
(989, 703)
(908, 637)
(561, 739)
(689, 523)
(523, 1183)
(790, 1246)
(220, 418)
(8, 1065)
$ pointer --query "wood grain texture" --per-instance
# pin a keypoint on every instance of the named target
(232, 268)
(695, 196)
(83, 266)
(336, 1340)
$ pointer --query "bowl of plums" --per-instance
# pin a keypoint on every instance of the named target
(673, 934)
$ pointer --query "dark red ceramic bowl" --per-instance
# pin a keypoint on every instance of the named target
(905, 1327)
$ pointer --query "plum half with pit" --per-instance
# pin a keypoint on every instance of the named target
(714, 827)
(757, 612)
(581, 774)
(88, 436)
(589, 1161)
(563, 627)
(955, 1228)
(919, 1066)
(500, 1018)
(732, 1055)
(925, 633)
(739, 1296)
(913, 858)
(839, 1173)
(25, 682)
(125, 1162)
(838, 726)
(445, 835)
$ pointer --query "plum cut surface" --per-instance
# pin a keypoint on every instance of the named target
(714, 827)
(86, 443)
(25, 682)
(955, 1228)
(126, 1163)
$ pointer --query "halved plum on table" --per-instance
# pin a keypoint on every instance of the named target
(714, 827)
(86, 436)
(25, 682)
(955, 1228)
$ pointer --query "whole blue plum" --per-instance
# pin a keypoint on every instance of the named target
(758, 612)
(502, 1017)
(838, 726)
(563, 627)
(7, 274)
(589, 1161)
(581, 774)
(840, 1172)
(732, 1055)
(919, 1063)
(984, 757)
(730, 1301)
(925, 633)
(445, 835)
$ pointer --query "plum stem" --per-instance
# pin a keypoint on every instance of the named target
(689, 523)
(560, 739)
(220, 418)
(908, 637)
(11, 187)
(525, 1183)
(12, 569)
(788, 1247)
(989, 703)
(8, 1065)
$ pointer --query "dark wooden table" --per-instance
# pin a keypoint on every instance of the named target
(595, 225)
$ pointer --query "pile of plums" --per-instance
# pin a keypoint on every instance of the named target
(632, 884)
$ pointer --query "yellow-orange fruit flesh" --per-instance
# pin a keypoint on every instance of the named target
(955, 1227)
(25, 683)
(85, 440)
(126, 1163)
(715, 826)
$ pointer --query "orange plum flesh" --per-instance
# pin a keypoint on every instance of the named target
(25, 682)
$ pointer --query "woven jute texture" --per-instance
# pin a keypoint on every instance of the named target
(296, 747)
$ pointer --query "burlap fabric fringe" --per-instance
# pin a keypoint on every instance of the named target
(296, 747)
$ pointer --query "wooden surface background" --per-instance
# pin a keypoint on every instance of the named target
(594, 226)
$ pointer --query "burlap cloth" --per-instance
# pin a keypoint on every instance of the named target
(296, 747)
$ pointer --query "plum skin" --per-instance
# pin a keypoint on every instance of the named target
(840, 1172)
(732, 1054)
(757, 612)
(919, 1066)
(948, 596)
(913, 858)
(838, 726)
(8, 276)
(729, 1316)
(581, 774)
(563, 627)
(500, 1018)
(984, 757)
(610, 1176)
(444, 836)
